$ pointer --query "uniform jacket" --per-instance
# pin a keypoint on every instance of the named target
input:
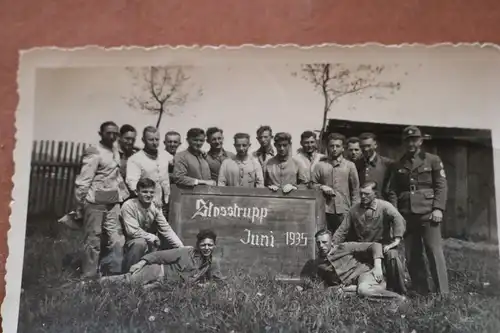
(418, 186)
(379, 170)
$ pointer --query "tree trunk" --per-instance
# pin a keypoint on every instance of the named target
(160, 115)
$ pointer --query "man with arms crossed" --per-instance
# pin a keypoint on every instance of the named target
(419, 190)
(339, 265)
(190, 166)
(143, 221)
(376, 220)
(99, 190)
(241, 170)
(338, 179)
(187, 264)
(282, 171)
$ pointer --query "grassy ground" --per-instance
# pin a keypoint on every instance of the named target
(53, 300)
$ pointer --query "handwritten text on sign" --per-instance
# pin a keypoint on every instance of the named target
(256, 230)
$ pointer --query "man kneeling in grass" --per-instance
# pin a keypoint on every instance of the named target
(143, 221)
(187, 264)
(342, 266)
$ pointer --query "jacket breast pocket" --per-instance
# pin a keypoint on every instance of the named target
(424, 175)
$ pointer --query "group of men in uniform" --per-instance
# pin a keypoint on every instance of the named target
(123, 195)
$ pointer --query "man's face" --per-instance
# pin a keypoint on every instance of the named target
(354, 151)
(109, 134)
(367, 195)
(264, 139)
(324, 244)
(127, 140)
(145, 195)
(151, 141)
(206, 247)
(282, 148)
(241, 146)
(216, 140)
(335, 148)
(368, 147)
(412, 144)
(196, 142)
(308, 145)
(172, 142)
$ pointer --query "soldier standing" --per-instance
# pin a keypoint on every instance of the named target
(418, 188)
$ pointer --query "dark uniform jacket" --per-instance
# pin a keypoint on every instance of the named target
(418, 186)
(377, 170)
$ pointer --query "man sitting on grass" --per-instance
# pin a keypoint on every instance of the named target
(187, 264)
(142, 221)
(341, 266)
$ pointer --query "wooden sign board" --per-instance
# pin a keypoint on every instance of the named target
(258, 231)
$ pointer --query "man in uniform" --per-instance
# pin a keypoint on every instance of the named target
(418, 188)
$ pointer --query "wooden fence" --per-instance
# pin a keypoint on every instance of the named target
(54, 167)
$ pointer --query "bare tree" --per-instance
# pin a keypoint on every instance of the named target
(333, 81)
(160, 89)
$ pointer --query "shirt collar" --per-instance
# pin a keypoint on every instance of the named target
(373, 205)
(192, 152)
(269, 150)
(213, 154)
(338, 161)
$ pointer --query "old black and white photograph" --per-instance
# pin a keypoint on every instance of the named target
(251, 189)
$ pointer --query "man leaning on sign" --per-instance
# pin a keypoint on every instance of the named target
(418, 188)
(190, 166)
(187, 264)
(241, 170)
(282, 171)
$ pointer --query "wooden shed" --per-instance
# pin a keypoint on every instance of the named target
(467, 156)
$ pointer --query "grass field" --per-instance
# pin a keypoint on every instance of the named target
(54, 300)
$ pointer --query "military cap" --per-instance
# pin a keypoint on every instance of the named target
(411, 131)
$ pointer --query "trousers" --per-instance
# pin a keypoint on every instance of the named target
(395, 271)
(103, 240)
(422, 234)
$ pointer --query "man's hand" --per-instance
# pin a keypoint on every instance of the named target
(392, 245)
(273, 188)
(153, 239)
(207, 182)
(136, 267)
(436, 216)
(327, 190)
(288, 188)
(377, 273)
